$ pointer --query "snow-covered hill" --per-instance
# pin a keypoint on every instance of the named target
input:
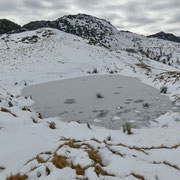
(7, 26)
(159, 50)
(101, 32)
(51, 149)
(166, 36)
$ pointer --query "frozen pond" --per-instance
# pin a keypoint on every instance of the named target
(124, 99)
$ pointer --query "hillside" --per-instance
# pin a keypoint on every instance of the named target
(165, 36)
(48, 148)
(7, 26)
(103, 33)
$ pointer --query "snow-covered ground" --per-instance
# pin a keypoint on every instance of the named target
(51, 149)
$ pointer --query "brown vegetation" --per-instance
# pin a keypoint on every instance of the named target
(17, 177)
(60, 161)
(10, 104)
(7, 111)
(142, 65)
(138, 176)
(52, 125)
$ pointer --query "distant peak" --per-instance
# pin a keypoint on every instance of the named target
(165, 36)
(8, 26)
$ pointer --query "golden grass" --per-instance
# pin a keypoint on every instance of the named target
(7, 111)
(33, 168)
(71, 143)
(168, 76)
(98, 170)
(10, 104)
(79, 169)
(142, 149)
(60, 161)
(17, 177)
(40, 159)
(52, 125)
(115, 152)
(94, 139)
(142, 65)
(138, 176)
(95, 157)
(168, 164)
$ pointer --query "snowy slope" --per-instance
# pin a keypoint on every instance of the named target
(101, 32)
(166, 36)
(159, 50)
(52, 149)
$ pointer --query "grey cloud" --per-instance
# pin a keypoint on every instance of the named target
(140, 16)
(88, 3)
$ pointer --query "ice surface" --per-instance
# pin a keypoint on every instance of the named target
(75, 100)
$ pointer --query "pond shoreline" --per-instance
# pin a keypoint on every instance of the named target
(124, 99)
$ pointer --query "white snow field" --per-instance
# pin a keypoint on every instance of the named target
(36, 148)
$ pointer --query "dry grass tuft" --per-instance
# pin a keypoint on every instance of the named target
(7, 111)
(168, 164)
(142, 65)
(73, 144)
(99, 170)
(34, 121)
(33, 168)
(115, 152)
(96, 140)
(95, 157)
(52, 125)
(127, 127)
(138, 176)
(60, 161)
(47, 171)
(168, 76)
(26, 109)
(39, 115)
(10, 104)
(40, 159)
(79, 169)
(88, 125)
(17, 177)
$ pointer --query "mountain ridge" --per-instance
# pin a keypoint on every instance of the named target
(101, 32)
(7, 26)
(165, 36)
(66, 21)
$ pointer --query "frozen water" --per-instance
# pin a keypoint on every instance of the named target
(76, 100)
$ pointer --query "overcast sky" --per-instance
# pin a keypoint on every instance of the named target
(140, 16)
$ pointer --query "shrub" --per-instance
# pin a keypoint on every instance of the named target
(95, 71)
(127, 127)
(145, 105)
(52, 125)
(163, 90)
(99, 95)
(111, 72)
(142, 65)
